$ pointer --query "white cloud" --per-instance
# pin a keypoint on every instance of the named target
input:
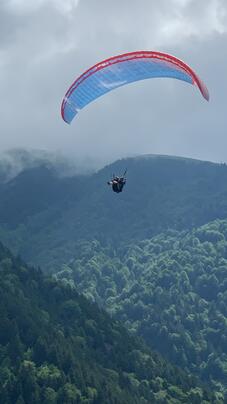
(31, 6)
(24, 6)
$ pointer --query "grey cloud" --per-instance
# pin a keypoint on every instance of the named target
(44, 48)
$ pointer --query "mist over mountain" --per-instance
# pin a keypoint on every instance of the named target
(161, 192)
(15, 161)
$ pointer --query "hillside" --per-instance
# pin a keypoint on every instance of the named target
(141, 255)
(56, 347)
(42, 216)
(170, 289)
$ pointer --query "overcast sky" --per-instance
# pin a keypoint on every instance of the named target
(46, 44)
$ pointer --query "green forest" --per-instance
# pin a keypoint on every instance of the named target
(170, 289)
(123, 299)
(56, 347)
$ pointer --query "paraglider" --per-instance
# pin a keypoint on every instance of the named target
(118, 183)
(118, 71)
(123, 69)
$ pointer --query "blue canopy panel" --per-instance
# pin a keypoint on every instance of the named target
(121, 70)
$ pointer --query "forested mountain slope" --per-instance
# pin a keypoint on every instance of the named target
(56, 347)
(42, 215)
(170, 289)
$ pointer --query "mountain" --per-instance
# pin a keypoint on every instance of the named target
(42, 215)
(170, 289)
(56, 347)
(142, 255)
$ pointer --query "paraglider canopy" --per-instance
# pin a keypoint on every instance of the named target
(123, 69)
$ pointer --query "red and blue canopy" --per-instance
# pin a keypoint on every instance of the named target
(123, 69)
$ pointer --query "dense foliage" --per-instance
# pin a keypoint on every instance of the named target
(56, 347)
(142, 256)
(42, 216)
(171, 290)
